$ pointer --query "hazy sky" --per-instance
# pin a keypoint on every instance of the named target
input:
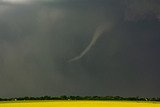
(79, 47)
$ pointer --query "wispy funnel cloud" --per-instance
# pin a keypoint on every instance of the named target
(98, 32)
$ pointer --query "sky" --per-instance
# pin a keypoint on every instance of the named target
(79, 47)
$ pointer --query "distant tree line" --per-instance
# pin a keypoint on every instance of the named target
(64, 97)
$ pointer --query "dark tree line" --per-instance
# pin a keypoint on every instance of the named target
(118, 98)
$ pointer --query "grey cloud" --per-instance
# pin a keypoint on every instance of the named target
(38, 39)
(144, 9)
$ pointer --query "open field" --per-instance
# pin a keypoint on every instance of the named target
(79, 104)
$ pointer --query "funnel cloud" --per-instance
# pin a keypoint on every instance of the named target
(98, 32)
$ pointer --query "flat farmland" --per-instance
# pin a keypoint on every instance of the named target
(79, 104)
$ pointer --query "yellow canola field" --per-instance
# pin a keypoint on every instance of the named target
(79, 104)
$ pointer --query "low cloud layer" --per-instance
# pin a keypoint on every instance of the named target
(38, 40)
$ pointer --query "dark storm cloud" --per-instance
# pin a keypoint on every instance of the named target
(37, 40)
(144, 9)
